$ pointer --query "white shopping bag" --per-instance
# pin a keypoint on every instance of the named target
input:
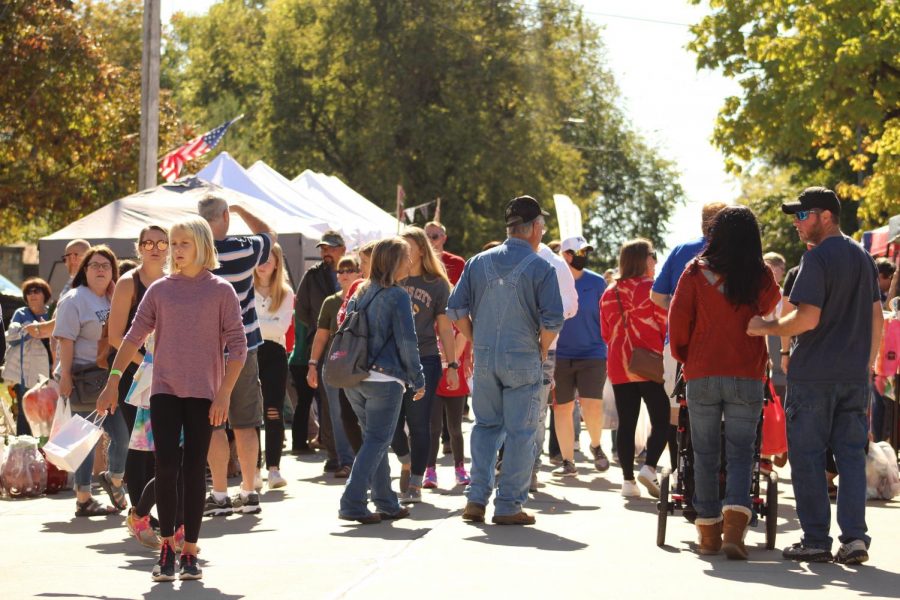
(61, 416)
(642, 431)
(74, 441)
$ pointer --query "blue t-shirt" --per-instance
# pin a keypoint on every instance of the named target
(839, 277)
(238, 256)
(674, 266)
(580, 336)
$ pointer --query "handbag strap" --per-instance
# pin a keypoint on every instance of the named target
(624, 315)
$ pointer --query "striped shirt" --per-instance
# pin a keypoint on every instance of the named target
(238, 256)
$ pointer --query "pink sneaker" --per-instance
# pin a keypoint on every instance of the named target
(462, 478)
(430, 481)
(142, 531)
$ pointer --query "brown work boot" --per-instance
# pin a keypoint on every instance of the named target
(520, 518)
(709, 534)
(737, 518)
(474, 512)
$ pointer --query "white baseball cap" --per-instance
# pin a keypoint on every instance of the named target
(574, 244)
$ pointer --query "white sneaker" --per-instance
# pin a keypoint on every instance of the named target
(630, 489)
(257, 481)
(647, 477)
(276, 480)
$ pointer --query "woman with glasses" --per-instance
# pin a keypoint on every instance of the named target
(717, 295)
(274, 308)
(347, 274)
(29, 355)
(80, 317)
(629, 320)
(152, 248)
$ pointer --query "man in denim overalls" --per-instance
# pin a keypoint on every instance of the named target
(507, 303)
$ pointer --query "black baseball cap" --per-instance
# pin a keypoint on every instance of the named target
(331, 238)
(523, 209)
(814, 197)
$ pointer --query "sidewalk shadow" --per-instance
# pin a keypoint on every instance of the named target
(381, 531)
(544, 503)
(524, 537)
(195, 590)
(595, 484)
(82, 525)
(644, 505)
(423, 511)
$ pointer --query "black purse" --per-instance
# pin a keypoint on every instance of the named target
(87, 383)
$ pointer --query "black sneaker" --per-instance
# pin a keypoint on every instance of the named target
(802, 553)
(164, 570)
(189, 567)
(601, 463)
(331, 465)
(248, 506)
(566, 469)
(852, 553)
(215, 508)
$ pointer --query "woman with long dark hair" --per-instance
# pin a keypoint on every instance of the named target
(717, 295)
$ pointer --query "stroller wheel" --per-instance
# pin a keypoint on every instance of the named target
(662, 509)
(771, 510)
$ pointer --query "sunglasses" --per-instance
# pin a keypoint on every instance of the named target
(66, 256)
(158, 244)
(434, 236)
(653, 254)
(803, 215)
(582, 252)
(347, 271)
(31, 291)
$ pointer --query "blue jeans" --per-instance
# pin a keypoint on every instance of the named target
(506, 403)
(540, 433)
(119, 437)
(377, 405)
(416, 414)
(819, 416)
(740, 400)
(341, 444)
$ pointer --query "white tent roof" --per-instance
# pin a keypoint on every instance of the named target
(338, 192)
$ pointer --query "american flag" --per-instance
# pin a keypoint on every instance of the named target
(172, 163)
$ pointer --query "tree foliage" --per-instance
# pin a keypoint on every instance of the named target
(821, 93)
(466, 100)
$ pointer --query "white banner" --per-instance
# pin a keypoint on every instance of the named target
(568, 216)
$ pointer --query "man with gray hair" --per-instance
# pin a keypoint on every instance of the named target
(507, 303)
(75, 251)
(238, 256)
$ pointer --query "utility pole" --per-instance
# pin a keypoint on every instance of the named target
(149, 95)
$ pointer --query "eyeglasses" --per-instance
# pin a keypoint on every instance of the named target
(158, 244)
(347, 271)
(803, 215)
(97, 266)
(66, 256)
(434, 236)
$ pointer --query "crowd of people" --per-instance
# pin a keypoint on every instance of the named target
(191, 352)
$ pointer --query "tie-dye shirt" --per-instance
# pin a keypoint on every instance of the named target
(646, 325)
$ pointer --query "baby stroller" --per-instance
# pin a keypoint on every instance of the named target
(677, 494)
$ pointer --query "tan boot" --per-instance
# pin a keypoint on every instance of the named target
(736, 519)
(709, 534)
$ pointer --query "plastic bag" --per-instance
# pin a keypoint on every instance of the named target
(39, 404)
(24, 472)
(139, 393)
(142, 434)
(610, 414)
(642, 431)
(882, 474)
(774, 432)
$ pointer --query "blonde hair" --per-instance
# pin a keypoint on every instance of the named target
(201, 234)
(430, 263)
(386, 259)
(280, 287)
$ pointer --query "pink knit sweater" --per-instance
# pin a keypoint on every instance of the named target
(194, 319)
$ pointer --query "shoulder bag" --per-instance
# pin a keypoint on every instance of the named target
(644, 363)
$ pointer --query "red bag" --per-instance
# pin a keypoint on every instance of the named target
(774, 431)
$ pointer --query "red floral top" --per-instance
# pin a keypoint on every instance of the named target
(646, 325)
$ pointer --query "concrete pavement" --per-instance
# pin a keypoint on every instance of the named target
(588, 543)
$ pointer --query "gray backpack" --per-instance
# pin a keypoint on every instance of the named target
(347, 362)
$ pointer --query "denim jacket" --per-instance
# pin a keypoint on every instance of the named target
(393, 348)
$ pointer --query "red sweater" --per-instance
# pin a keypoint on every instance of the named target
(454, 265)
(708, 334)
(646, 325)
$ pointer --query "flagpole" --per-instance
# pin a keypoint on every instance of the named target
(437, 210)
(149, 95)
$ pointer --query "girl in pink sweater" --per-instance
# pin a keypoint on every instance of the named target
(195, 315)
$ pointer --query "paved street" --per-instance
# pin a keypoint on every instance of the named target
(587, 543)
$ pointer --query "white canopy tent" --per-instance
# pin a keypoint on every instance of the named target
(119, 223)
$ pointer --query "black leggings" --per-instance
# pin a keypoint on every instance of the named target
(148, 500)
(350, 423)
(139, 465)
(305, 396)
(628, 404)
(168, 416)
(273, 370)
(453, 407)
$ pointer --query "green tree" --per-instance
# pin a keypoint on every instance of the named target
(764, 190)
(821, 93)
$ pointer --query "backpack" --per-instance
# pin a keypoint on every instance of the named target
(347, 363)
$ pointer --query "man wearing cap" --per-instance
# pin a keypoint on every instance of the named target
(580, 361)
(507, 303)
(238, 256)
(319, 282)
(838, 324)
(437, 236)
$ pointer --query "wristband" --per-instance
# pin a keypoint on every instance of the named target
(785, 352)
(453, 365)
(113, 372)
(313, 363)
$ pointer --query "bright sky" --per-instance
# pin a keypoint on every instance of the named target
(673, 105)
